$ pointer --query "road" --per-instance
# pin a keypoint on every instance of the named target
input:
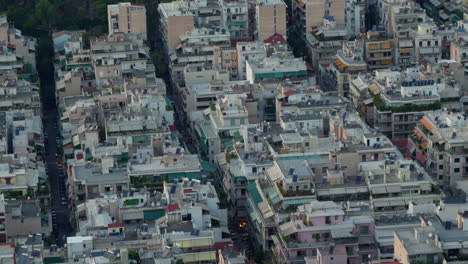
(58, 196)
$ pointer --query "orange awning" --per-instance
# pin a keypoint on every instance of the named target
(386, 62)
(426, 124)
(417, 133)
(406, 50)
(424, 145)
(386, 45)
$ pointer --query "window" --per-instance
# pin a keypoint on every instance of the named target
(441, 177)
(457, 160)
(456, 170)
(363, 158)
(363, 230)
(441, 167)
(254, 169)
(441, 157)
(327, 220)
(437, 43)
(420, 43)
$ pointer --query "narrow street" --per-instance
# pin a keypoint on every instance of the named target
(53, 143)
(58, 196)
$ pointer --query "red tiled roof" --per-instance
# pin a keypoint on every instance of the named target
(275, 38)
(289, 93)
(234, 41)
(115, 225)
(173, 207)
(188, 191)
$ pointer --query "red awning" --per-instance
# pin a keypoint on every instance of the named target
(172, 128)
(420, 157)
(275, 39)
(114, 225)
(309, 68)
(173, 207)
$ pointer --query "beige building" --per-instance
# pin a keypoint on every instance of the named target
(23, 218)
(175, 21)
(310, 13)
(270, 18)
(417, 245)
(24, 47)
(127, 18)
(226, 58)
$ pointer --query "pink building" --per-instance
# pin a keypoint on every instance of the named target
(321, 230)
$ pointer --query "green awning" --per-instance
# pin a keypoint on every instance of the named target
(53, 260)
(207, 166)
(238, 137)
(153, 214)
(273, 195)
(254, 193)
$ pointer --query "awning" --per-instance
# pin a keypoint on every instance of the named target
(342, 233)
(375, 89)
(379, 190)
(397, 203)
(426, 123)
(288, 228)
(394, 188)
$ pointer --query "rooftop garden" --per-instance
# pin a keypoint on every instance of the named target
(321, 37)
(131, 202)
(380, 105)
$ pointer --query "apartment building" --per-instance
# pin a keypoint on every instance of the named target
(459, 50)
(404, 21)
(428, 45)
(321, 230)
(394, 113)
(378, 50)
(230, 112)
(277, 66)
(197, 47)
(394, 184)
(270, 19)
(23, 46)
(236, 19)
(355, 17)
(309, 14)
(248, 51)
(438, 142)
(176, 19)
(417, 245)
(226, 58)
(128, 18)
(325, 40)
(348, 63)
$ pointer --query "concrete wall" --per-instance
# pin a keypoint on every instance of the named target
(176, 26)
(271, 19)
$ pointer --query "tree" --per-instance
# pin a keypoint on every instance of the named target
(133, 255)
(44, 14)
